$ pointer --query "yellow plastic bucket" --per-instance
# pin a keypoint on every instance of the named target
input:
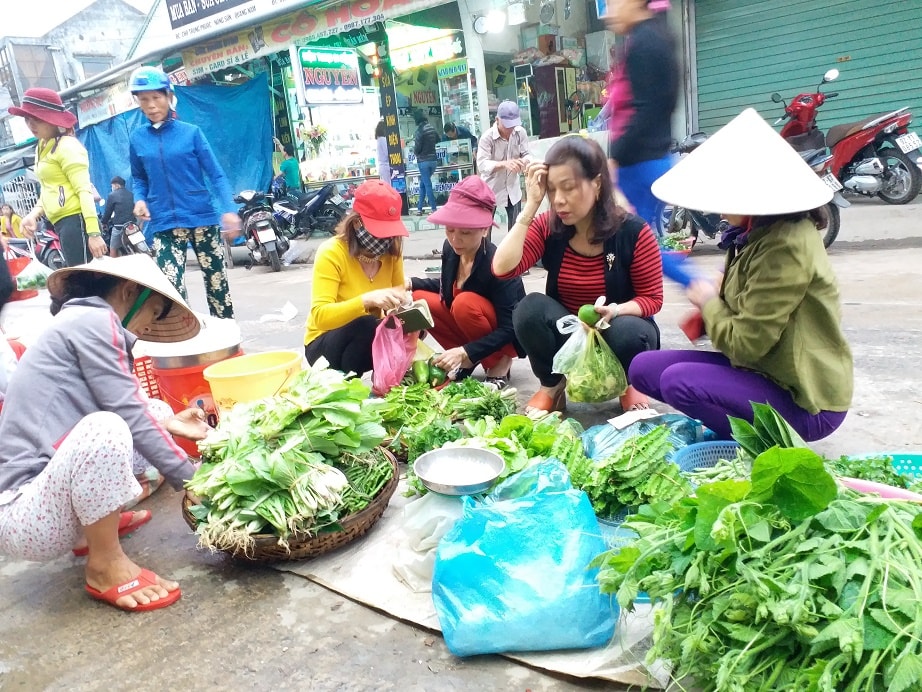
(251, 377)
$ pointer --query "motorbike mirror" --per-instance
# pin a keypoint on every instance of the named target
(831, 75)
(776, 97)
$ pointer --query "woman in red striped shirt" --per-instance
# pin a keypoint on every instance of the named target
(590, 247)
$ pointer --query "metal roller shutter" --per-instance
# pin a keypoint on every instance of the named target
(747, 49)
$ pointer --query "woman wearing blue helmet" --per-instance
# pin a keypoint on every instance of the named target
(170, 161)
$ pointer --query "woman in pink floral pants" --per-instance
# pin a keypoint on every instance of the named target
(76, 427)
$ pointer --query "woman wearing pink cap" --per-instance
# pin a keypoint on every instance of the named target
(358, 276)
(62, 167)
(471, 308)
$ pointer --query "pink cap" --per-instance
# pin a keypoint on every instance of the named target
(471, 204)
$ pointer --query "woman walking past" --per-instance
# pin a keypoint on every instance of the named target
(62, 167)
(170, 161)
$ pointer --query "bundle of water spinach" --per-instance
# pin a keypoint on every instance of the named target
(781, 581)
(635, 473)
(292, 464)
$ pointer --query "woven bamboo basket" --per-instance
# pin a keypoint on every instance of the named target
(300, 547)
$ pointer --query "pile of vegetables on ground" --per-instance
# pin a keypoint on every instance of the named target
(291, 465)
(419, 418)
(773, 576)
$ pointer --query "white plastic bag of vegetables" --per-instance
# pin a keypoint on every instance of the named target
(594, 374)
(34, 276)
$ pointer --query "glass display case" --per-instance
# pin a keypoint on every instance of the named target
(458, 94)
(456, 161)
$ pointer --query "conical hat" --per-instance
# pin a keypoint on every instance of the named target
(747, 169)
(179, 324)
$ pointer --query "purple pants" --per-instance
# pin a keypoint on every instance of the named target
(703, 385)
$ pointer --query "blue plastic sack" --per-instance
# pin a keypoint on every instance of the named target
(512, 574)
(601, 441)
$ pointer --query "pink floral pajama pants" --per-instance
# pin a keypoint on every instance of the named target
(91, 475)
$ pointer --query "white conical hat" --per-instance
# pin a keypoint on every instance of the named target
(747, 169)
(179, 324)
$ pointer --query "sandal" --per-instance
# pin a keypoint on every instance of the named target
(126, 524)
(498, 381)
(632, 400)
(142, 581)
(542, 402)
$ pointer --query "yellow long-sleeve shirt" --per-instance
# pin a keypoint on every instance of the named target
(338, 284)
(63, 170)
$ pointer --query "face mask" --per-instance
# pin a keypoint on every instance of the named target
(374, 247)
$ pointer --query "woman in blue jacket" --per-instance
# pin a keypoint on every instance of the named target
(170, 160)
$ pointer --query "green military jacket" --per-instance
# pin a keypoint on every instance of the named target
(778, 314)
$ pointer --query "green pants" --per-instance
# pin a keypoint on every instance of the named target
(170, 253)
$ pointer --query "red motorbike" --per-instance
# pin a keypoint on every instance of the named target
(875, 157)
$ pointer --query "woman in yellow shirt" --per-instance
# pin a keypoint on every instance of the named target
(9, 222)
(62, 167)
(358, 276)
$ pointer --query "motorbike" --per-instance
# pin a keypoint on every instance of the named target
(309, 214)
(679, 220)
(133, 241)
(875, 157)
(263, 239)
(45, 247)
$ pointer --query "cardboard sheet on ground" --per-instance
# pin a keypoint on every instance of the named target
(366, 571)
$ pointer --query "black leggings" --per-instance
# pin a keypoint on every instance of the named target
(535, 322)
(347, 348)
(72, 232)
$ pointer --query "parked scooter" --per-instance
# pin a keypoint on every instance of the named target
(45, 246)
(692, 223)
(263, 240)
(132, 239)
(876, 157)
(309, 214)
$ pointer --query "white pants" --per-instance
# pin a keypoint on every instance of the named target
(91, 475)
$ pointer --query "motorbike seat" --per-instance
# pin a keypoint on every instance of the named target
(839, 132)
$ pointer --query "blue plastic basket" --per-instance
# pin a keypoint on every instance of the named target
(704, 455)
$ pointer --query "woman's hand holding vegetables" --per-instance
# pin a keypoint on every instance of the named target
(384, 299)
(29, 225)
(190, 424)
(701, 291)
(452, 359)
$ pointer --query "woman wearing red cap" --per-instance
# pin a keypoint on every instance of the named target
(358, 276)
(62, 167)
(471, 308)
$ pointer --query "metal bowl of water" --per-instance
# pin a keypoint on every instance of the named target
(458, 470)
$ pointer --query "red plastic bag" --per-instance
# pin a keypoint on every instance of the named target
(392, 352)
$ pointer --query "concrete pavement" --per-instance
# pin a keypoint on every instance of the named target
(240, 627)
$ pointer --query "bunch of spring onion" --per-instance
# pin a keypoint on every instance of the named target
(292, 464)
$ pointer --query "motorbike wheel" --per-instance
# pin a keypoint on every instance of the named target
(679, 221)
(274, 260)
(54, 260)
(902, 177)
(833, 223)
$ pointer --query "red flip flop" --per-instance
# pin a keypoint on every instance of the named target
(126, 524)
(632, 400)
(143, 580)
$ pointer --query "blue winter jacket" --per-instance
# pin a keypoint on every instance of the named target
(169, 165)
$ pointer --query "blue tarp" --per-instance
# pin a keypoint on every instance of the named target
(237, 122)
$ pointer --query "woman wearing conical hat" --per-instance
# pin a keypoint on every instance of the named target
(774, 318)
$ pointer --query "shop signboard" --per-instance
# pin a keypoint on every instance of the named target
(392, 129)
(190, 18)
(104, 105)
(301, 28)
(328, 75)
(452, 68)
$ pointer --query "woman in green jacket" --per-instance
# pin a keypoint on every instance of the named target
(774, 316)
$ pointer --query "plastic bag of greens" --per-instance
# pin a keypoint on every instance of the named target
(35, 275)
(513, 575)
(601, 441)
(594, 374)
